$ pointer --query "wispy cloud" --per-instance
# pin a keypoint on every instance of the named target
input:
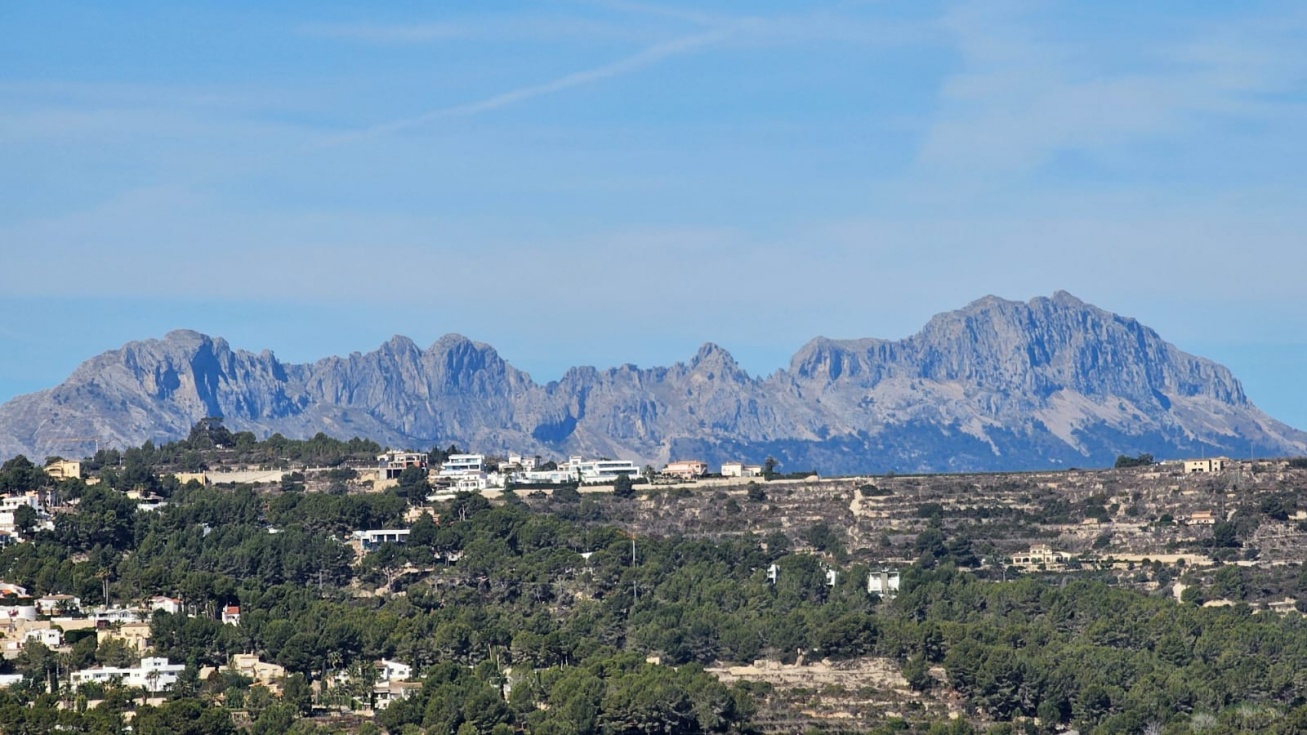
(1026, 94)
(375, 33)
(645, 58)
(533, 28)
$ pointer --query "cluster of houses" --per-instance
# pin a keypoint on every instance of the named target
(53, 619)
(472, 472)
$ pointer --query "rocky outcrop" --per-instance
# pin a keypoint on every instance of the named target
(996, 385)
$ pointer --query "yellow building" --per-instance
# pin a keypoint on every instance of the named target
(63, 469)
(135, 635)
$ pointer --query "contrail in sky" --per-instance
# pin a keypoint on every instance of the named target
(644, 58)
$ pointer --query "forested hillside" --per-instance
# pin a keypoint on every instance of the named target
(545, 618)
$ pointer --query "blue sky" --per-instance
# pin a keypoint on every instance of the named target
(609, 182)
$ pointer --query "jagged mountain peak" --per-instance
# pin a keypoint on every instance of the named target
(997, 384)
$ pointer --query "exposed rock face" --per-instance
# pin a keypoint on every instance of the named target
(996, 385)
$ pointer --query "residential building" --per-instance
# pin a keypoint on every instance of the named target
(117, 615)
(740, 469)
(48, 637)
(391, 464)
(543, 477)
(262, 672)
(884, 583)
(1039, 556)
(63, 469)
(231, 615)
(8, 680)
(370, 540)
(601, 471)
(686, 468)
(58, 604)
(135, 635)
(12, 503)
(1201, 518)
(12, 590)
(386, 692)
(170, 605)
(153, 675)
(1218, 464)
(457, 465)
(392, 670)
(524, 462)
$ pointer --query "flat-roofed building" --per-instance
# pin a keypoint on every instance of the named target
(370, 540)
(456, 465)
(1219, 464)
(601, 471)
(392, 464)
(884, 583)
(740, 469)
(153, 675)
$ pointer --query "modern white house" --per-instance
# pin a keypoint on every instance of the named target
(372, 539)
(543, 477)
(884, 583)
(153, 675)
(463, 464)
(740, 469)
(600, 471)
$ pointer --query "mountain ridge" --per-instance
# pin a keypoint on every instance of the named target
(997, 384)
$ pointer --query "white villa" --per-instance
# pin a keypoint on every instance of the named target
(153, 675)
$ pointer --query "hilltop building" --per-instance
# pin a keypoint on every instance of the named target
(63, 469)
(392, 464)
(153, 675)
(1218, 464)
(687, 469)
(740, 469)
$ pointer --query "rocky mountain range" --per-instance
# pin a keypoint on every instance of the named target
(999, 384)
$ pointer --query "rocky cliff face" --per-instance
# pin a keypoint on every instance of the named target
(995, 385)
